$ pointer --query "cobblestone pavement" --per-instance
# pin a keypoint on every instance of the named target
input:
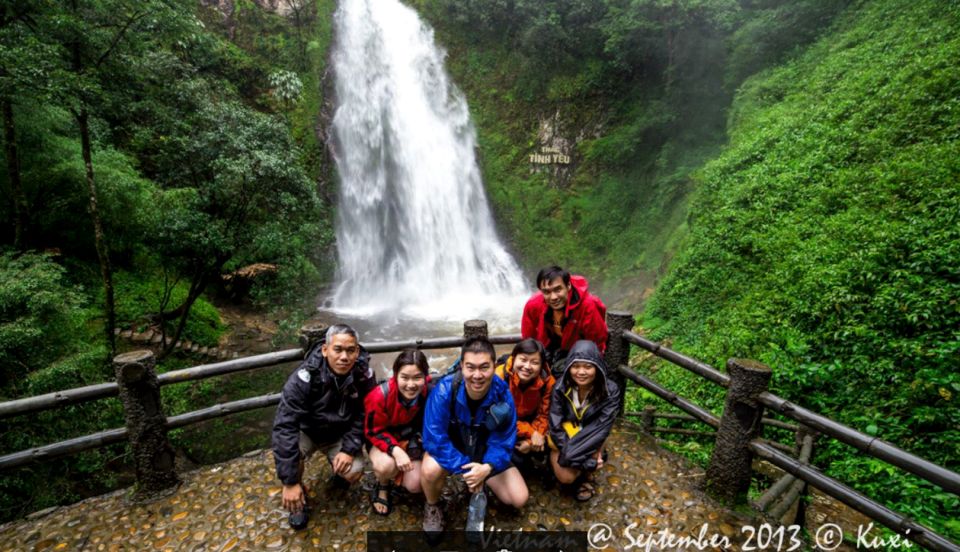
(236, 506)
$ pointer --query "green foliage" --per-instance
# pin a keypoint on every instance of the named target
(773, 29)
(639, 87)
(40, 315)
(197, 166)
(825, 241)
(44, 348)
(140, 297)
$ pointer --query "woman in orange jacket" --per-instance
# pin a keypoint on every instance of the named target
(528, 375)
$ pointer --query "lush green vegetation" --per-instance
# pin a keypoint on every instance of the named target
(825, 242)
(789, 168)
(799, 157)
(639, 90)
(192, 133)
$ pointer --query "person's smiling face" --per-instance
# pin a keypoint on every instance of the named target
(477, 369)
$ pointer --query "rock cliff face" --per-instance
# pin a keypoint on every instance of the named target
(281, 7)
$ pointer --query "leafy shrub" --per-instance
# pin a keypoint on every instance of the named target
(825, 242)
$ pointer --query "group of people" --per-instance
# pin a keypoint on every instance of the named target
(549, 401)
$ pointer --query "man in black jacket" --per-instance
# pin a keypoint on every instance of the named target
(321, 408)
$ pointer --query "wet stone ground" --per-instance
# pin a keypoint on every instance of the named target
(236, 506)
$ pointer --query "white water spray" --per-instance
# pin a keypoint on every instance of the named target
(415, 235)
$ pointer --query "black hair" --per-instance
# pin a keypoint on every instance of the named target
(551, 272)
(414, 357)
(530, 346)
(479, 345)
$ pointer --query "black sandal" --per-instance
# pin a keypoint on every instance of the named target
(375, 498)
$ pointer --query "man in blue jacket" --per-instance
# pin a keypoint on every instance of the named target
(469, 428)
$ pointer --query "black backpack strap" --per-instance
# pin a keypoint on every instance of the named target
(385, 388)
(454, 390)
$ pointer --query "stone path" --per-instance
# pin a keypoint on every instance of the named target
(236, 506)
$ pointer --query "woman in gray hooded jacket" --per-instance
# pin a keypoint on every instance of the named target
(583, 407)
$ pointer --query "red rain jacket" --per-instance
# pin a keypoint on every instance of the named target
(585, 318)
(387, 421)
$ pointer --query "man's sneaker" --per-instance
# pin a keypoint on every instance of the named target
(298, 520)
(432, 518)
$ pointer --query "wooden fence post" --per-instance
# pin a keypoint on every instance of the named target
(648, 419)
(310, 334)
(729, 472)
(618, 350)
(474, 328)
(153, 455)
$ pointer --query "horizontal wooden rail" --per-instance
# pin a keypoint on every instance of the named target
(701, 369)
(221, 410)
(98, 391)
(63, 448)
(57, 399)
(874, 510)
(111, 436)
(214, 369)
(680, 431)
(203, 371)
(781, 485)
(696, 411)
(878, 448)
(689, 418)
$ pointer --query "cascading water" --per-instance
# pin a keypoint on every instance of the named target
(415, 236)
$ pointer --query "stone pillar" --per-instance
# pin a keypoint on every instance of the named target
(618, 350)
(474, 328)
(729, 472)
(153, 455)
(310, 334)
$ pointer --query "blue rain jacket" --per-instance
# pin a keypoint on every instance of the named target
(437, 427)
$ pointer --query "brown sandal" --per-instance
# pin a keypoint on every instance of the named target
(585, 492)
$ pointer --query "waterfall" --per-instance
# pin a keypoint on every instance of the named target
(415, 235)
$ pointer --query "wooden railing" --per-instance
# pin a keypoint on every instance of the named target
(138, 387)
(739, 442)
(738, 432)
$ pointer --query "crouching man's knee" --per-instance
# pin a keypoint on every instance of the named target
(430, 470)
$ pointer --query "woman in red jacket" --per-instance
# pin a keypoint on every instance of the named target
(392, 423)
(527, 373)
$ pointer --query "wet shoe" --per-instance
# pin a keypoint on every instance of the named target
(432, 518)
(298, 520)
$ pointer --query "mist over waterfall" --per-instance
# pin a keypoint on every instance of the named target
(415, 236)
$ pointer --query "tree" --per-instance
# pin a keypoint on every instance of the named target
(96, 35)
(26, 68)
(239, 175)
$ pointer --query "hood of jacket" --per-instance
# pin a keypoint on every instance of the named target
(580, 289)
(585, 351)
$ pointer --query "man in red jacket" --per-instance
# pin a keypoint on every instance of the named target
(563, 312)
